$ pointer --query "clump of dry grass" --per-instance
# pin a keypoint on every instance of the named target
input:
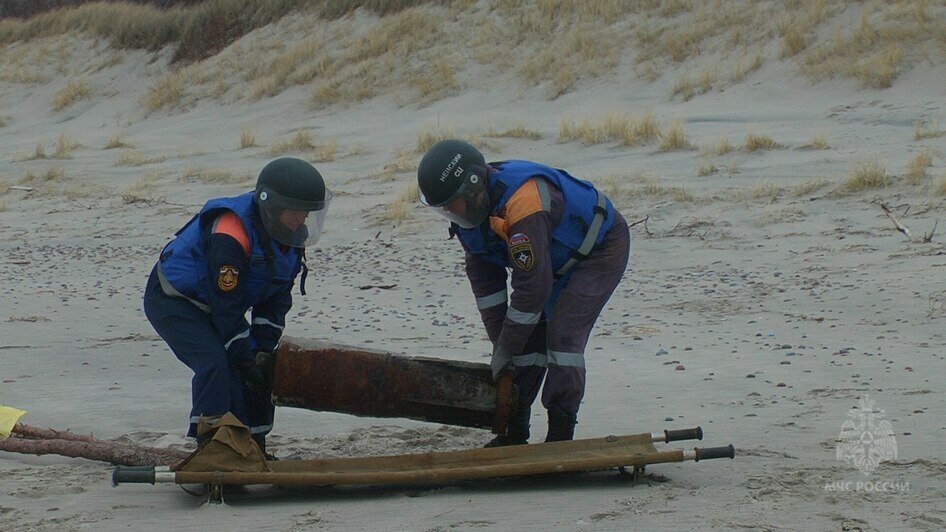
(132, 157)
(142, 189)
(167, 92)
(706, 168)
(744, 67)
(681, 195)
(760, 142)
(247, 139)
(39, 152)
(582, 47)
(922, 130)
(766, 191)
(584, 130)
(73, 91)
(213, 176)
(117, 141)
(795, 39)
(399, 208)
(687, 88)
(404, 161)
(865, 176)
(428, 137)
(52, 174)
(438, 81)
(675, 138)
(816, 143)
(810, 186)
(518, 131)
(326, 152)
(732, 168)
(888, 38)
(64, 146)
(723, 146)
(300, 141)
(626, 129)
(916, 170)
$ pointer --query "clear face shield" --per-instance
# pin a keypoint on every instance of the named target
(291, 223)
(468, 207)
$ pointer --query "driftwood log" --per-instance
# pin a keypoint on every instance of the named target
(27, 439)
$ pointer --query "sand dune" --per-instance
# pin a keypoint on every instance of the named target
(768, 296)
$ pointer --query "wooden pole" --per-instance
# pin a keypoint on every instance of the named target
(27, 439)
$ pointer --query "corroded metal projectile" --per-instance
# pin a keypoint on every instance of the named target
(331, 377)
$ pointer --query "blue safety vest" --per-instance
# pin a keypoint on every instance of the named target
(569, 244)
(184, 265)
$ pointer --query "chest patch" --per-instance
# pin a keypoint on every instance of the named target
(520, 251)
(227, 277)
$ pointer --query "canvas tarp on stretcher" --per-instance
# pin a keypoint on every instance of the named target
(233, 462)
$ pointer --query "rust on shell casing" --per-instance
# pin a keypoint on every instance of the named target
(332, 377)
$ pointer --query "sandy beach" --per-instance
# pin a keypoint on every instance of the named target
(769, 299)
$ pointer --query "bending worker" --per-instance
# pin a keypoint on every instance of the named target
(567, 248)
(238, 254)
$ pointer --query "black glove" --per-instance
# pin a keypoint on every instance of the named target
(257, 371)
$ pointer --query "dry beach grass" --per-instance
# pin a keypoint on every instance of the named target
(751, 145)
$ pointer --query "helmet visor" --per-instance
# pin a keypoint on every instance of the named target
(468, 207)
(295, 224)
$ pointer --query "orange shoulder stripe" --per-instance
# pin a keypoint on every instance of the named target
(229, 223)
(523, 202)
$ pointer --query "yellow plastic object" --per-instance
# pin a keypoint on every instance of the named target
(8, 418)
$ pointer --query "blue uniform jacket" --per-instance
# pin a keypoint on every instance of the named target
(580, 198)
(214, 273)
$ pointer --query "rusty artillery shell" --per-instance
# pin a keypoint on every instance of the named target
(337, 378)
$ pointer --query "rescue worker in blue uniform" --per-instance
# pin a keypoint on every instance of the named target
(237, 255)
(566, 247)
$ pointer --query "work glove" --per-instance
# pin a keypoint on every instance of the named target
(500, 361)
(257, 371)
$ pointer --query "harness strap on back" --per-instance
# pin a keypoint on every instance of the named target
(601, 211)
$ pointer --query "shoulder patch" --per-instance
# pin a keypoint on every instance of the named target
(520, 251)
(227, 277)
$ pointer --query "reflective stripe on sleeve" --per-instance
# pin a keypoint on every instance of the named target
(259, 429)
(264, 321)
(242, 335)
(530, 359)
(524, 318)
(491, 300)
(559, 358)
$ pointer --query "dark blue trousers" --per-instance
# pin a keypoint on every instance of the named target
(216, 387)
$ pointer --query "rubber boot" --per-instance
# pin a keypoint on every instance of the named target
(517, 433)
(561, 426)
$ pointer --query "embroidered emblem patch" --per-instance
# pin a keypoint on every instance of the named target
(227, 278)
(520, 251)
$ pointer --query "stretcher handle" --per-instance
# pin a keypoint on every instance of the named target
(683, 434)
(715, 452)
(133, 475)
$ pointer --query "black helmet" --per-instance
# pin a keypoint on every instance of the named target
(452, 180)
(290, 184)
